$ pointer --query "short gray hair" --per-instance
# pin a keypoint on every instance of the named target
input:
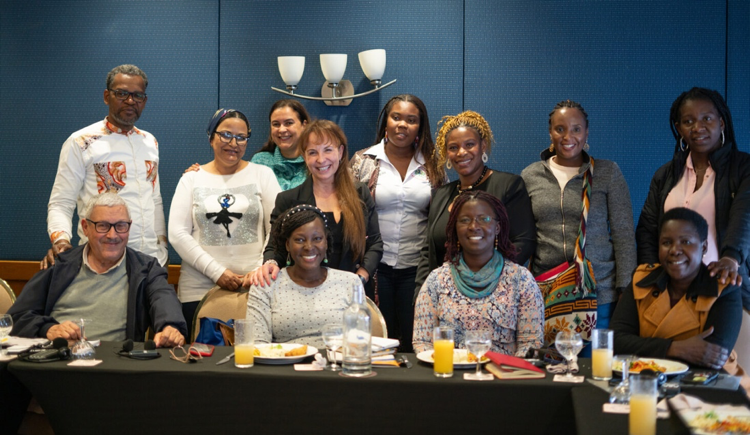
(106, 199)
(126, 69)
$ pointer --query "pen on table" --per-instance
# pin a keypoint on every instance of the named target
(225, 359)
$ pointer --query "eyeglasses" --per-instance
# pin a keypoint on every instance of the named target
(103, 227)
(482, 220)
(122, 95)
(226, 137)
(179, 354)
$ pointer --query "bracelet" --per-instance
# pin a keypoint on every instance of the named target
(272, 261)
(362, 278)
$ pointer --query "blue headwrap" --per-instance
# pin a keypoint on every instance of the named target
(216, 119)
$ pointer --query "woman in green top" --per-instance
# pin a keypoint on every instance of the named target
(288, 118)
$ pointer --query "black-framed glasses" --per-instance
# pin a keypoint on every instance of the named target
(482, 220)
(123, 95)
(226, 137)
(103, 227)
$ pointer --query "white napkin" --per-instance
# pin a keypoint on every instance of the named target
(380, 343)
(682, 402)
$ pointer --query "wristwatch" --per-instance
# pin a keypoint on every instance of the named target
(362, 278)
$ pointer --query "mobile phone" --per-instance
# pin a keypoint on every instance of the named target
(699, 378)
(202, 349)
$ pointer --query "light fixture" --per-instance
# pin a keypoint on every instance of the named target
(335, 90)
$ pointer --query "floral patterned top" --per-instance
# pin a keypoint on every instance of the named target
(514, 311)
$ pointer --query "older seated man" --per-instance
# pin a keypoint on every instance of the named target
(122, 291)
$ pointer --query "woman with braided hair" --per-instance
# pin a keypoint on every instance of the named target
(480, 286)
(707, 174)
(555, 184)
(464, 142)
(306, 294)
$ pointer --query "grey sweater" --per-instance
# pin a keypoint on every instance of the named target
(610, 241)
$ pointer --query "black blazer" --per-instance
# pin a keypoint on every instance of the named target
(303, 194)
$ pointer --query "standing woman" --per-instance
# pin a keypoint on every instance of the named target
(219, 220)
(464, 142)
(401, 171)
(281, 152)
(707, 174)
(347, 205)
(555, 184)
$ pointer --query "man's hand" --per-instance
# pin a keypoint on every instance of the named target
(230, 280)
(696, 350)
(67, 330)
(169, 337)
(57, 248)
(262, 276)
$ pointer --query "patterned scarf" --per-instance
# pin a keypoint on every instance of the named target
(479, 284)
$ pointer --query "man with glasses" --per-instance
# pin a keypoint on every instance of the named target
(119, 291)
(111, 155)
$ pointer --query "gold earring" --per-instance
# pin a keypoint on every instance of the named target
(552, 148)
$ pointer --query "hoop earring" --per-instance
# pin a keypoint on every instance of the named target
(586, 146)
(683, 146)
(552, 148)
(288, 259)
(448, 164)
(485, 157)
(722, 138)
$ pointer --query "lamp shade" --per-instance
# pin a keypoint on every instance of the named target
(333, 66)
(291, 69)
(373, 63)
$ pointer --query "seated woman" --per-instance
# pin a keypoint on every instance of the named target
(479, 286)
(305, 295)
(676, 309)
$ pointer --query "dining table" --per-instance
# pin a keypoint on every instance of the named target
(164, 396)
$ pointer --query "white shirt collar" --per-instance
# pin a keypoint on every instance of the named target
(378, 151)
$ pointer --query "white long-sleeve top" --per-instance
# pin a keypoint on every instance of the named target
(99, 158)
(220, 222)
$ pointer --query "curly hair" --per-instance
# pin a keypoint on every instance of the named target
(469, 119)
(686, 215)
(712, 97)
(569, 104)
(128, 70)
(504, 245)
(290, 220)
(435, 172)
(352, 213)
(302, 117)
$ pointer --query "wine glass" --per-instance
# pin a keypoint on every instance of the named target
(6, 324)
(568, 343)
(478, 342)
(82, 349)
(621, 393)
(333, 337)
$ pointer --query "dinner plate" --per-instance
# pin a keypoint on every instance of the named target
(699, 422)
(426, 356)
(673, 367)
(311, 350)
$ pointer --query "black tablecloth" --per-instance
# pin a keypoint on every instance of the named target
(14, 399)
(126, 396)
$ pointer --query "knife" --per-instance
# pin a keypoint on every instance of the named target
(405, 361)
(225, 359)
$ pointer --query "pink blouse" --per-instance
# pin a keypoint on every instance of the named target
(702, 201)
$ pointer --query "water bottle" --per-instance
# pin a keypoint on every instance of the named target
(357, 336)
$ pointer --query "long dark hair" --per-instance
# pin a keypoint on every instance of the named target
(504, 245)
(425, 145)
(302, 115)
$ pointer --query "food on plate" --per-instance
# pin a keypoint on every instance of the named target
(277, 351)
(462, 356)
(637, 366)
(297, 351)
(711, 422)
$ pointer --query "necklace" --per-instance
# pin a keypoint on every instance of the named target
(473, 186)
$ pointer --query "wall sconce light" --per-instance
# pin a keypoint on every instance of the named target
(335, 90)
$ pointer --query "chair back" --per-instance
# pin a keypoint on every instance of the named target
(379, 329)
(220, 304)
(7, 297)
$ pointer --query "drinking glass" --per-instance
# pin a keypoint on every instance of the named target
(642, 405)
(244, 343)
(568, 343)
(333, 337)
(6, 324)
(621, 393)
(601, 355)
(478, 342)
(442, 343)
(82, 349)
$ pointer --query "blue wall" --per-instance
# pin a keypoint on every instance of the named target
(625, 61)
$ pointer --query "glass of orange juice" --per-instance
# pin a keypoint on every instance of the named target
(601, 354)
(642, 405)
(243, 343)
(442, 342)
